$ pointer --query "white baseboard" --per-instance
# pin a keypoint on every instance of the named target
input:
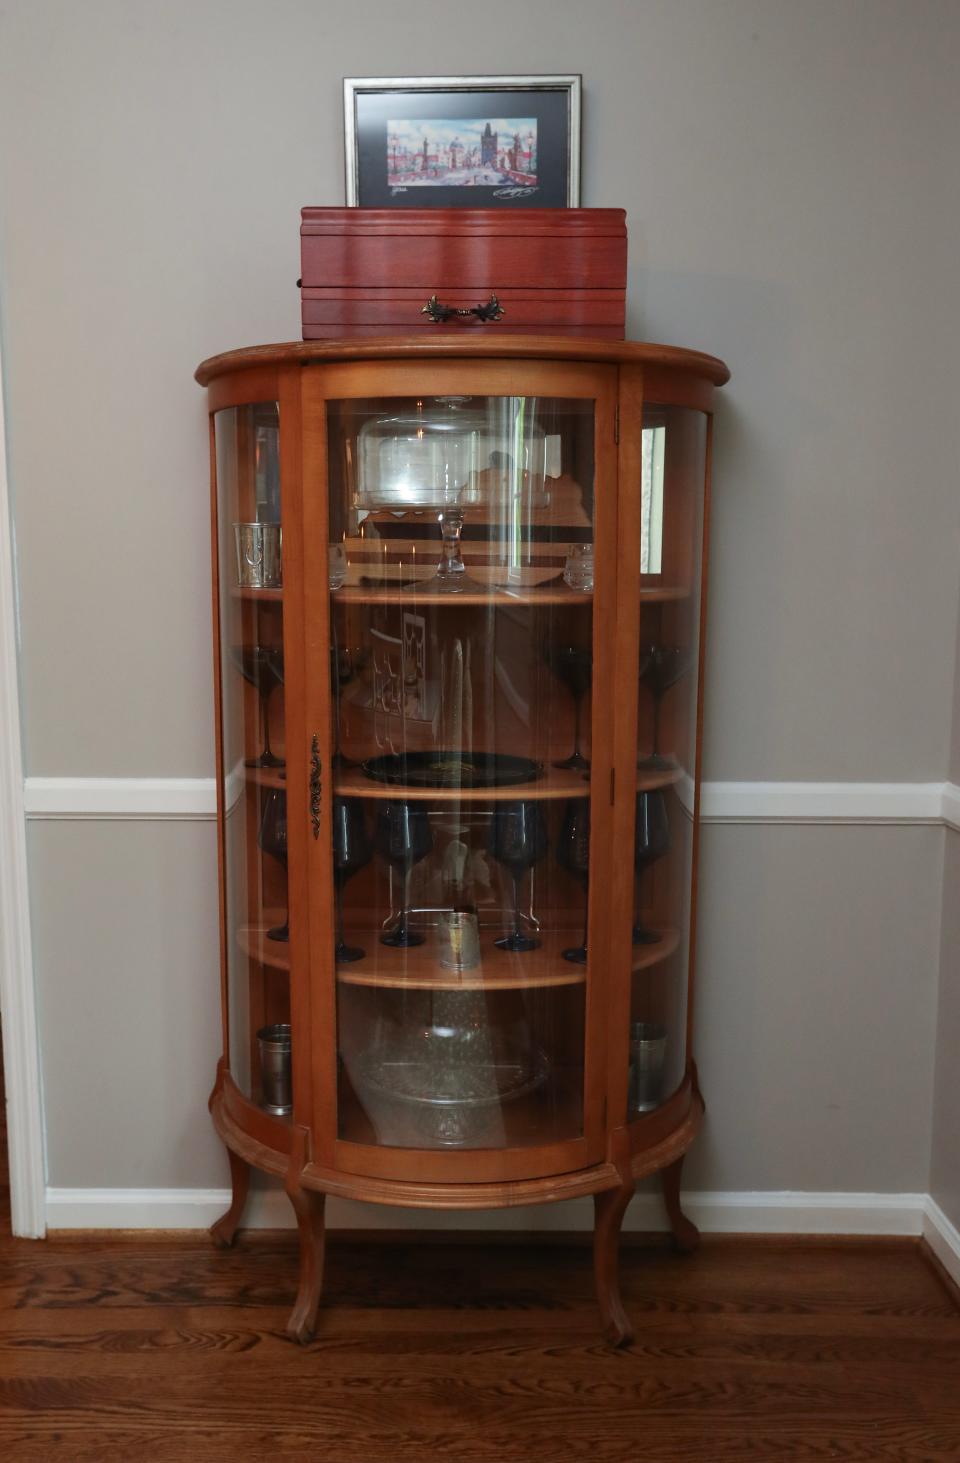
(715, 1213)
(943, 1237)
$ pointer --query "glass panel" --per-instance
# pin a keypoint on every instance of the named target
(251, 652)
(673, 475)
(462, 621)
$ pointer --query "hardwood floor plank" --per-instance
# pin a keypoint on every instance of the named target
(139, 1348)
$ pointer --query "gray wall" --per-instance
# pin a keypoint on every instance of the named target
(945, 1158)
(789, 173)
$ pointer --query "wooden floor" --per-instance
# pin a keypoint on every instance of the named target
(135, 1349)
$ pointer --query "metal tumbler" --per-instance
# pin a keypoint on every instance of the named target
(275, 1078)
(259, 555)
(648, 1046)
(459, 940)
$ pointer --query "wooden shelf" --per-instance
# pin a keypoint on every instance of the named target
(496, 594)
(645, 956)
(253, 941)
(551, 594)
(556, 782)
(265, 596)
(418, 967)
(265, 777)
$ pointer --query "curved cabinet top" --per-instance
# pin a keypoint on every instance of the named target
(456, 346)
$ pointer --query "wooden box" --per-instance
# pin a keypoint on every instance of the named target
(373, 271)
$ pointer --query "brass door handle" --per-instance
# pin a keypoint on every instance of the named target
(438, 313)
(316, 784)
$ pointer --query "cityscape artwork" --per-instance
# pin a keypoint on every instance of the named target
(467, 153)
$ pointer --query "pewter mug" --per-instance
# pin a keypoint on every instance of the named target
(648, 1046)
(275, 1071)
(259, 555)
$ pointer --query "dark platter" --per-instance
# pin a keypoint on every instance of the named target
(452, 769)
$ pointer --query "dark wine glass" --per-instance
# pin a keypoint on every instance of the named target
(273, 840)
(573, 854)
(351, 852)
(404, 837)
(518, 840)
(258, 665)
(650, 841)
(573, 664)
(661, 666)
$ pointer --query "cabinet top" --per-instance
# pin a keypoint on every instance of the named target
(517, 347)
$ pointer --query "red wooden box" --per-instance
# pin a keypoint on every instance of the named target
(372, 271)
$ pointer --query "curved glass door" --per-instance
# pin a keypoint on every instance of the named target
(253, 753)
(461, 665)
(673, 475)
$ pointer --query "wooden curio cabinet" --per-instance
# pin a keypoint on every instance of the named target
(459, 592)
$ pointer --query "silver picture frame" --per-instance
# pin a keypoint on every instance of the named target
(567, 90)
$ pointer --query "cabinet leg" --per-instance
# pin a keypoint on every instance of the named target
(608, 1211)
(224, 1232)
(308, 1206)
(686, 1235)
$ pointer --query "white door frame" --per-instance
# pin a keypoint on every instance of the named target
(21, 1065)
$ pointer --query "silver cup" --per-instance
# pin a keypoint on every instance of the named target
(648, 1047)
(459, 940)
(259, 555)
(275, 1074)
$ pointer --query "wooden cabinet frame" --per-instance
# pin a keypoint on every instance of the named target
(612, 1153)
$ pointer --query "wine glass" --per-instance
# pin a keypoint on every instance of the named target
(518, 840)
(272, 839)
(650, 841)
(404, 837)
(573, 854)
(661, 666)
(351, 852)
(258, 665)
(573, 664)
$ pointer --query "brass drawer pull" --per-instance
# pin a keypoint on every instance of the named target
(438, 313)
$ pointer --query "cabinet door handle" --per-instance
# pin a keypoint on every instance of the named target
(438, 313)
(316, 784)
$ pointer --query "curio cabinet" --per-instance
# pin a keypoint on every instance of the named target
(459, 594)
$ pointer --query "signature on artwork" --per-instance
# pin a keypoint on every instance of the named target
(524, 192)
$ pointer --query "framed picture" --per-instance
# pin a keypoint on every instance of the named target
(462, 141)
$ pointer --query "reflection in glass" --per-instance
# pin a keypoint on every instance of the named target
(403, 839)
(651, 841)
(273, 840)
(518, 840)
(351, 851)
(573, 854)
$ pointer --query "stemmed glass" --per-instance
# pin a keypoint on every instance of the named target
(650, 841)
(518, 840)
(404, 837)
(574, 666)
(258, 665)
(351, 852)
(661, 666)
(573, 854)
(273, 840)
